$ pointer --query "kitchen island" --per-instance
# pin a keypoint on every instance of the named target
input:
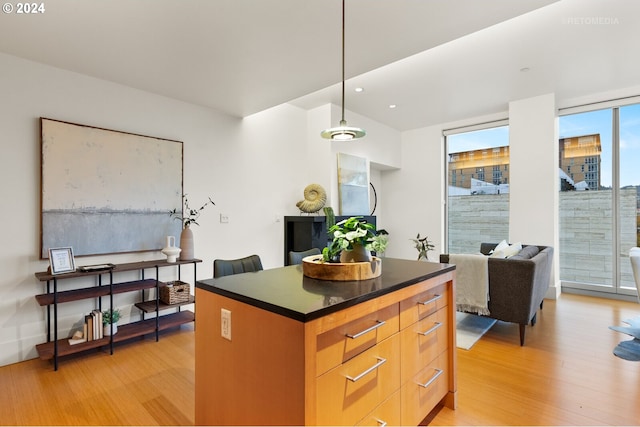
(276, 347)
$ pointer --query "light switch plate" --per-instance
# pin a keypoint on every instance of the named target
(225, 326)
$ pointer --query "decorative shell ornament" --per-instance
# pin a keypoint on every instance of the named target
(314, 199)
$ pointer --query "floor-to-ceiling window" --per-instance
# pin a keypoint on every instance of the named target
(478, 186)
(629, 184)
(599, 164)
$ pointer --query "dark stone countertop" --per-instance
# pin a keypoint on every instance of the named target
(288, 292)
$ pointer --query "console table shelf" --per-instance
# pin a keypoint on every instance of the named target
(95, 292)
(54, 347)
(150, 306)
(125, 332)
(131, 266)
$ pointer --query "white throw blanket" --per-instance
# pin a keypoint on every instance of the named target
(472, 282)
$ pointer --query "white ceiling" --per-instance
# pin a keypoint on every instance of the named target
(437, 60)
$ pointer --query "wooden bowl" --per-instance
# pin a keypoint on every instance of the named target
(312, 266)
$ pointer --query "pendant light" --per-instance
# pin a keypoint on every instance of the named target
(343, 132)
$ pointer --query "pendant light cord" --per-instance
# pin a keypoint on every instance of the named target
(343, 21)
(343, 132)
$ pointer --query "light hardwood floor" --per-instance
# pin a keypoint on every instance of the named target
(566, 374)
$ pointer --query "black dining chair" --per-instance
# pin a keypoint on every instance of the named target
(227, 267)
(296, 257)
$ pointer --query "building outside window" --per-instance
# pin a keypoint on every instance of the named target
(599, 209)
(598, 218)
(477, 209)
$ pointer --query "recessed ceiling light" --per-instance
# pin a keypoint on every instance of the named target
(359, 89)
(392, 106)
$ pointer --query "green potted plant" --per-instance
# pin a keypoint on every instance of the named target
(379, 242)
(109, 317)
(353, 240)
(423, 246)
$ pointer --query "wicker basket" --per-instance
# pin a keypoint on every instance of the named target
(177, 293)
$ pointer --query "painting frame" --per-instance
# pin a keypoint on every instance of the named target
(105, 191)
(61, 260)
(353, 185)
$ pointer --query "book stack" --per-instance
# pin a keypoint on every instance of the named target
(92, 329)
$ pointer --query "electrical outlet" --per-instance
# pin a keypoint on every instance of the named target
(225, 326)
(224, 218)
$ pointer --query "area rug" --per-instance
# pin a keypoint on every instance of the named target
(470, 328)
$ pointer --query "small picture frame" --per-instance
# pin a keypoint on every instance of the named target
(61, 260)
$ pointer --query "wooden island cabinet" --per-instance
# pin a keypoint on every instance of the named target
(277, 348)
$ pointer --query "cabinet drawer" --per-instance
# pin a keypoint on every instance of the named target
(423, 392)
(422, 342)
(423, 304)
(347, 393)
(386, 414)
(347, 341)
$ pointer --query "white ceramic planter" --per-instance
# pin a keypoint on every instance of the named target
(107, 329)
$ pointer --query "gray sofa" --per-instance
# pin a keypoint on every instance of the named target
(517, 285)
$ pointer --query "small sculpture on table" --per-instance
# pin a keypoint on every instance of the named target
(314, 199)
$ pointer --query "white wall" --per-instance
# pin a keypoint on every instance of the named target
(533, 153)
(320, 154)
(255, 169)
(381, 147)
(414, 194)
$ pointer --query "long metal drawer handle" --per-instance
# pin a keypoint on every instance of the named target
(381, 423)
(433, 378)
(435, 298)
(431, 329)
(359, 334)
(381, 361)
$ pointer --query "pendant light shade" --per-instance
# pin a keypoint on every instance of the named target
(343, 132)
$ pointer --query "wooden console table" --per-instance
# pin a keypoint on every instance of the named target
(54, 348)
(310, 352)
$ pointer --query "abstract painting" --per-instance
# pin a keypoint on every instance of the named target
(353, 185)
(105, 191)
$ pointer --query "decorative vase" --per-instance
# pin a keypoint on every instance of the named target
(357, 254)
(171, 250)
(186, 243)
(107, 329)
